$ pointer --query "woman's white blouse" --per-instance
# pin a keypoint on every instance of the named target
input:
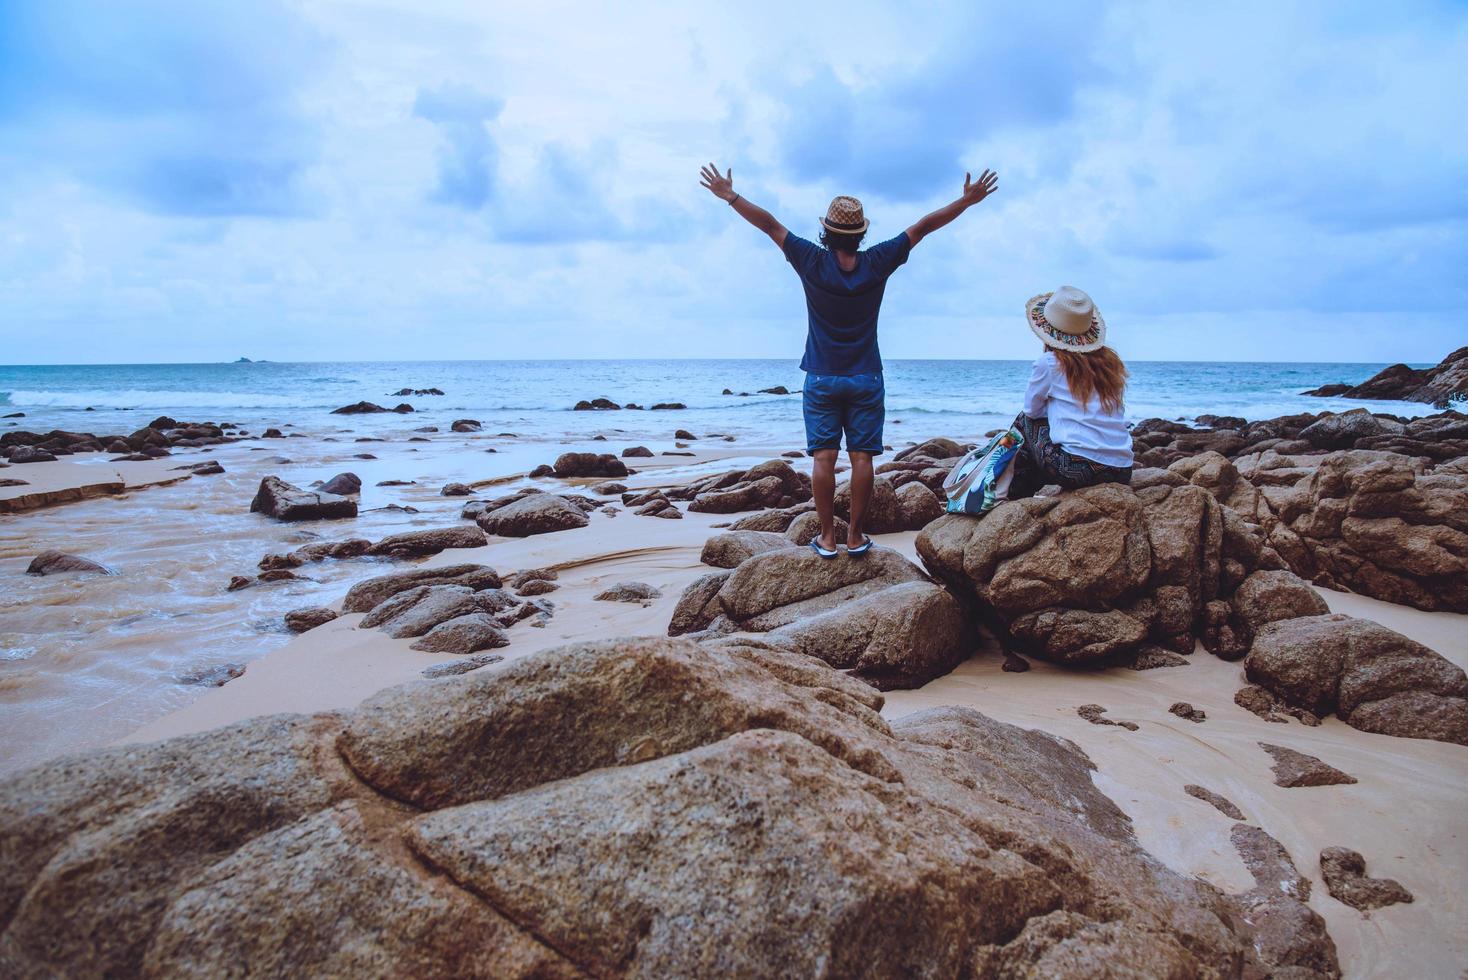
(1082, 430)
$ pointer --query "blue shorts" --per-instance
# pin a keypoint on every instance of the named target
(854, 404)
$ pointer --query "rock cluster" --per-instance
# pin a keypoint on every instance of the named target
(1159, 443)
(153, 441)
(461, 609)
(770, 484)
(1097, 573)
(878, 617)
(1389, 526)
(370, 408)
(1437, 386)
(541, 820)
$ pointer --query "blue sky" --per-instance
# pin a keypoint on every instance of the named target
(329, 180)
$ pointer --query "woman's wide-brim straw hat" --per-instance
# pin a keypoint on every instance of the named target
(845, 217)
(1066, 320)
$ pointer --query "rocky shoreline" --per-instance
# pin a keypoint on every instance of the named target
(535, 810)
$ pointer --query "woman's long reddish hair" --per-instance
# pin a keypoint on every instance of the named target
(1098, 372)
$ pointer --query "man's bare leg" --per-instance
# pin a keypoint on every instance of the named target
(823, 487)
(861, 497)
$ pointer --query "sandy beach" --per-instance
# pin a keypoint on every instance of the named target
(1406, 811)
(1403, 812)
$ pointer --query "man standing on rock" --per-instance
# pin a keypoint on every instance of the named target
(843, 294)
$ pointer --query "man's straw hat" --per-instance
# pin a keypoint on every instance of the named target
(844, 217)
(1066, 320)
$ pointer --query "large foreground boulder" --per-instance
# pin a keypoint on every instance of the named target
(1373, 678)
(638, 808)
(279, 499)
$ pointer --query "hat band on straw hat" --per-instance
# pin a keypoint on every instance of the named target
(1086, 333)
(843, 226)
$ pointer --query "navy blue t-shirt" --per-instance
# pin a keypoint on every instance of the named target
(843, 306)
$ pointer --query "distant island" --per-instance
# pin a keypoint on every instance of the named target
(244, 360)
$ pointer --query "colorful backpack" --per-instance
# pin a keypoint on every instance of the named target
(980, 481)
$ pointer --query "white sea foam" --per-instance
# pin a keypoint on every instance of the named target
(161, 400)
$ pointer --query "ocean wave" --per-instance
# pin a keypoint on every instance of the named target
(147, 399)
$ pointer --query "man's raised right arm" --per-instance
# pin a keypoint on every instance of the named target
(722, 187)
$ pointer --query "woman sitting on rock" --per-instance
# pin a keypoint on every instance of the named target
(1073, 423)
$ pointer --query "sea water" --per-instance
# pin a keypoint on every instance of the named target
(536, 398)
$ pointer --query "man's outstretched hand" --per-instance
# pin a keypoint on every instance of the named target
(719, 185)
(975, 191)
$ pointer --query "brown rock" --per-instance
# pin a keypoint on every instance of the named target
(900, 637)
(778, 587)
(884, 514)
(303, 620)
(1266, 705)
(949, 844)
(1345, 877)
(1093, 713)
(416, 611)
(589, 464)
(636, 452)
(919, 506)
(1373, 678)
(214, 675)
(1014, 664)
(416, 544)
(1185, 710)
(628, 592)
(1220, 803)
(279, 499)
(1288, 934)
(1296, 769)
(464, 634)
(519, 579)
(343, 485)
(806, 527)
(730, 549)
(537, 586)
(699, 605)
(365, 596)
(455, 667)
(57, 562)
(541, 513)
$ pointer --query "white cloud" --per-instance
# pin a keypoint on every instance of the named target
(466, 180)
